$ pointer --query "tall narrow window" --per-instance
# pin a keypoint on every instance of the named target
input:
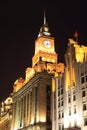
(61, 91)
(74, 109)
(62, 103)
(69, 111)
(82, 80)
(83, 93)
(84, 107)
(85, 122)
(69, 99)
(74, 97)
(62, 114)
(86, 78)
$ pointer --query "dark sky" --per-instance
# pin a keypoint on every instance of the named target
(20, 21)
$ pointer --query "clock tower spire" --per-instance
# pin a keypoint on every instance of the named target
(44, 18)
(45, 54)
(44, 30)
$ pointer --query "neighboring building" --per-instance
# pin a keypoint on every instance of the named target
(32, 96)
(70, 112)
(58, 102)
(6, 114)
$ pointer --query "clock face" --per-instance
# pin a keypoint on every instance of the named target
(47, 44)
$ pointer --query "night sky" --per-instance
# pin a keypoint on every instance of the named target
(20, 22)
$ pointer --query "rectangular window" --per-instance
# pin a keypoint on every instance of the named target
(82, 80)
(83, 94)
(69, 100)
(61, 103)
(62, 114)
(58, 93)
(61, 91)
(69, 112)
(59, 127)
(74, 110)
(86, 78)
(84, 107)
(85, 122)
(62, 126)
(59, 116)
(74, 97)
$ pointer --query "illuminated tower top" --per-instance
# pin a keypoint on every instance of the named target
(44, 30)
(45, 58)
(44, 46)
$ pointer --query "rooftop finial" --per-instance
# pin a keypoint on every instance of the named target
(44, 18)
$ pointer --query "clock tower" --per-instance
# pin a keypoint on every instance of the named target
(44, 47)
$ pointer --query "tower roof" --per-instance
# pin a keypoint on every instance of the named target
(44, 30)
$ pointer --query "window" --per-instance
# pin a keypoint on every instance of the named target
(83, 93)
(59, 127)
(74, 97)
(62, 114)
(69, 112)
(58, 93)
(61, 103)
(82, 73)
(84, 107)
(62, 126)
(74, 110)
(61, 91)
(82, 80)
(59, 115)
(69, 100)
(85, 122)
(86, 77)
(86, 72)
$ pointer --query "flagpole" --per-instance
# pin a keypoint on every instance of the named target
(76, 36)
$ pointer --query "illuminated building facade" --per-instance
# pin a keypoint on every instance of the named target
(70, 95)
(52, 96)
(32, 96)
(6, 114)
